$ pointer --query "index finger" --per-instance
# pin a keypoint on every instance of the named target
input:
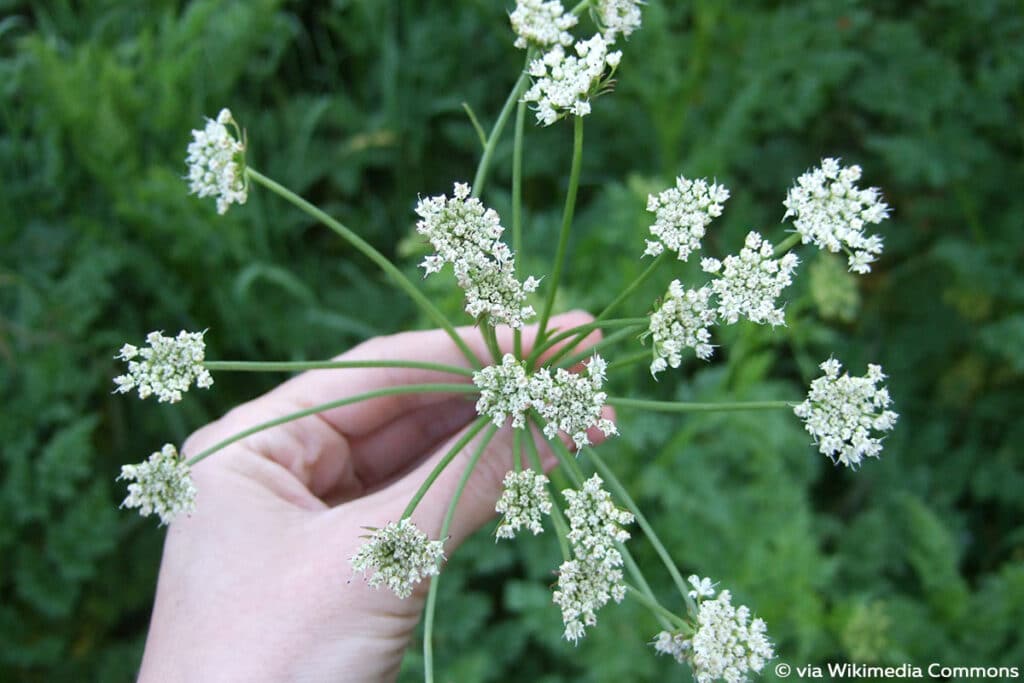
(348, 448)
(357, 420)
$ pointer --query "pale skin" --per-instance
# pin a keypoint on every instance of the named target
(256, 584)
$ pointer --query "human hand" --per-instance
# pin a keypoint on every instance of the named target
(256, 584)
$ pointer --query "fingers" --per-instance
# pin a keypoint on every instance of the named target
(312, 451)
(420, 427)
(390, 450)
(476, 505)
(346, 451)
(481, 493)
(358, 420)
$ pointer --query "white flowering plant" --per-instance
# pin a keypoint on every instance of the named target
(555, 391)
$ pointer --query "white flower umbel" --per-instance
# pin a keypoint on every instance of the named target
(460, 229)
(829, 210)
(682, 214)
(467, 235)
(400, 556)
(842, 413)
(595, 523)
(618, 17)
(748, 284)
(571, 402)
(523, 501)
(161, 484)
(166, 368)
(583, 588)
(542, 23)
(504, 391)
(564, 83)
(682, 322)
(587, 582)
(727, 644)
(216, 162)
(492, 289)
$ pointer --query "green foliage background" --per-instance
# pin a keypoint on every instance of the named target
(918, 557)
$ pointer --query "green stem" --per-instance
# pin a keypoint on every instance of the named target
(561, 527)
(581, 331)
(787, 244)
(567, 214)
(490, 336)
(473, 430)
(650, 603)
(517, 450)
(625, 294)
(298, 366)
(679, 407)
(619, 490)
(517, 201)
(610, 340)
(580, 6)
(428, 620)
(499, 125)
(559, 480)
(635, 284)
(389, 391)
(565, 457)
(629, 361)
(476, 124)
(634, 571)
(371, 253)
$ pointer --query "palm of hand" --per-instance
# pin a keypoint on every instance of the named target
(256, 584)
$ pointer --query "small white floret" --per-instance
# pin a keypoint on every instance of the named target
(748, 284)
(466, 234)
(682, 214)
(161, 484)
(843, 413)
(216, 162)
(563, 83)
(166, 368)
(617, 17)
(504, 391)
(725, 643)
(675, 645)
(682, 321)
(524, 499)
(830, 211)
(542, 23)
(399, 557)
(571, 402)
(702, 588)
